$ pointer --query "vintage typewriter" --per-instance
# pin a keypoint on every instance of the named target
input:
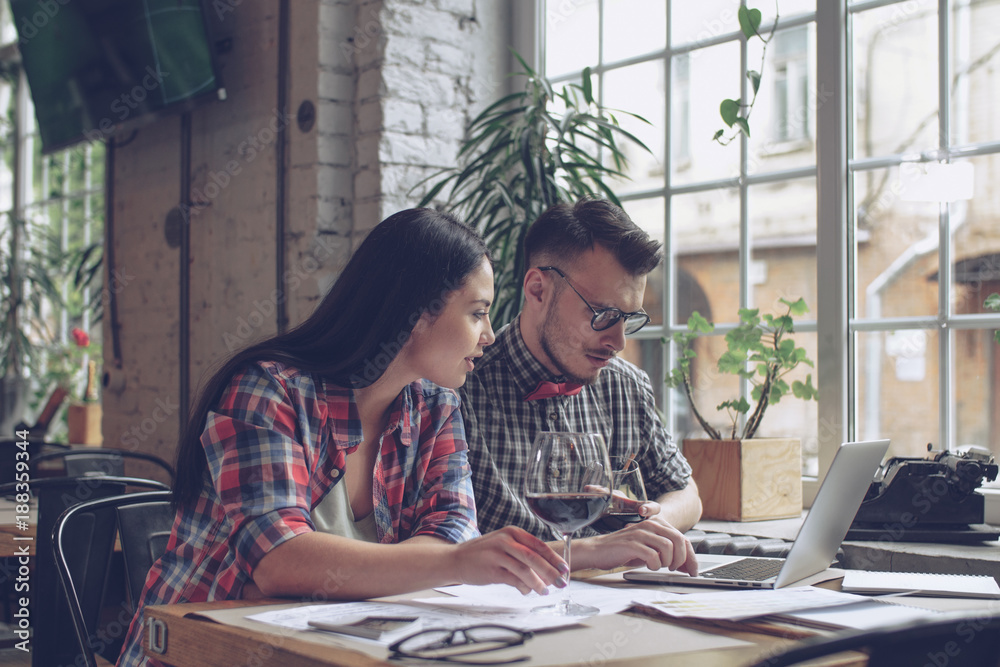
(930, 499)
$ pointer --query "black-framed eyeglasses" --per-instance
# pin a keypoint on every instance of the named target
(461, 645)
(605, 318)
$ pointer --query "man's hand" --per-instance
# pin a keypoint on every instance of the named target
(651, 543)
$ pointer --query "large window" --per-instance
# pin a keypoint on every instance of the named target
(57, 203)
(858, 104)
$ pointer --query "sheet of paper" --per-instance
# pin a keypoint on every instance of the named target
(863, 615)
(501, 596)
(738, 605)
(430, 615)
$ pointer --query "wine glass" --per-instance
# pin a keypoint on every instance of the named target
(628, 493)
(567, 486)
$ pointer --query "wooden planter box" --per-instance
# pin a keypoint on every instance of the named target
(84, 422)
(747, 480)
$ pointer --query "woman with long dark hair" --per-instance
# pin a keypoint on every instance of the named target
(329, 462)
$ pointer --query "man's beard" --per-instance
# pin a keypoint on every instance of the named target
(549, 331)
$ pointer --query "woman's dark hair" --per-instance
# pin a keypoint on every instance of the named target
(403, 268)
(565, 231)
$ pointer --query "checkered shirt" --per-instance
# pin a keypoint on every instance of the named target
(501, 426)
(275, 445)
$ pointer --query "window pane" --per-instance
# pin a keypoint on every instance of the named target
(571, 36)
(645, 170)
(647, 354)
(895, 79)
(696, 22)
(896, 249)
(976, 240)
(898, 389)
(794, 7)
(783, 238)
(705, 229)
(633, 27)
(781, 123)
(7, 138)
(976, 378)
(974, 65)
(649, 215)
(714, 76)
(680, 113)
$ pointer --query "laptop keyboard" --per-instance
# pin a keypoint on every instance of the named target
(746, 569)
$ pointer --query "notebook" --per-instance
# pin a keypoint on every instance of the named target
(819, 537)
(922, 584)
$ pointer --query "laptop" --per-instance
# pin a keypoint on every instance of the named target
(819, 537)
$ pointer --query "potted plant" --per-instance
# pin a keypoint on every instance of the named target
(741, 477)
(525, 152)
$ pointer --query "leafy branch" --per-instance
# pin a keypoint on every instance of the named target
(758, 352)
(735, 112)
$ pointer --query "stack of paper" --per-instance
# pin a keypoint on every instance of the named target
(921, 583)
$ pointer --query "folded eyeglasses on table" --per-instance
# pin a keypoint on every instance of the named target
(461, 645)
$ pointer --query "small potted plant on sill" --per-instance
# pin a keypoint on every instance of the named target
(742, 478)
(83, 413)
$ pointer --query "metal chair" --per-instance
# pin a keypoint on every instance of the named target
(956, 639)
(82, 542)
(144, 525)
(80, 462)
(51, 619)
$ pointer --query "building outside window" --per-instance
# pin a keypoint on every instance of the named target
(895, 280)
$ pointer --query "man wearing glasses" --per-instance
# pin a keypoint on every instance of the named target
(555, 368)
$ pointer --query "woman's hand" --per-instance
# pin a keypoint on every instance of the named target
(512, 556)
(652, 543)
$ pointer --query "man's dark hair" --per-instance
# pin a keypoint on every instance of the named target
(565, 231)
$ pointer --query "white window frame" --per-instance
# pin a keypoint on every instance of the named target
(836, 323)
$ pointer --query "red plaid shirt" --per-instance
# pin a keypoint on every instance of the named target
(275, 445)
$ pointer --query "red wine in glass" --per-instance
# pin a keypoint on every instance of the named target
(568, 485)
(611, 521)
(628, 495)
(567, 512)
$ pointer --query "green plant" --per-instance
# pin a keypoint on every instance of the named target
(993, 303)
(733, 111)
(759, 352)
(525, 152)
(27, 283)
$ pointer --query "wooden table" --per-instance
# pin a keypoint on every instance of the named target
(628, 639)
(617, 639)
